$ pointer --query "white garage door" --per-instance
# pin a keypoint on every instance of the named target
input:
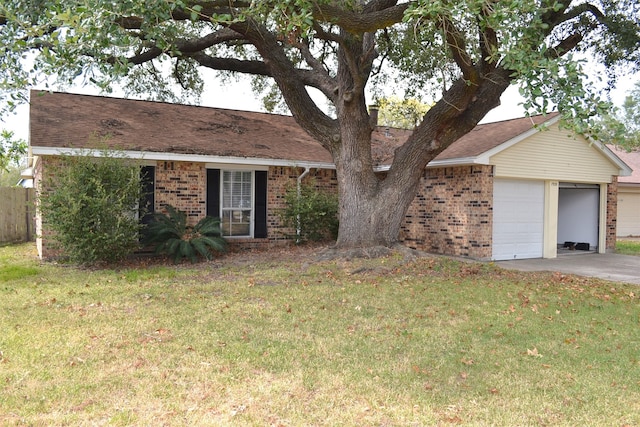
(628, 212)
(518, 219)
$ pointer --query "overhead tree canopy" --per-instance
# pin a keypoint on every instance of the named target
(464, 54)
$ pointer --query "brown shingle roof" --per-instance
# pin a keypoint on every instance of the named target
(62, 120)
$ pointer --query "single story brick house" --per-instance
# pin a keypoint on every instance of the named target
(629, 195)
(506, 190)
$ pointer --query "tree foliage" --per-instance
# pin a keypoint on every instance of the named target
(12, 151)
(461, 54)
(90, 202)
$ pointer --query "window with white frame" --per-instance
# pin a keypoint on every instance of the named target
(236, 203)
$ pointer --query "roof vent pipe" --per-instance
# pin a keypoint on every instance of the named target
(373, 115)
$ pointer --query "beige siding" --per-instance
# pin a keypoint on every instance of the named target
(628, 211)
(553, 155)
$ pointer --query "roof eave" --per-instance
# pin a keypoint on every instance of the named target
(459, 161)
(179, 157)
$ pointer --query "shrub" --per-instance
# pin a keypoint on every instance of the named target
(313, 213)
(175, 238)
(91, 204)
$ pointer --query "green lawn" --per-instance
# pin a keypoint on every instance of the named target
(628, 247)
(291, 342)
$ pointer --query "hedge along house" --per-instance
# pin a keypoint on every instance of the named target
(506, 190)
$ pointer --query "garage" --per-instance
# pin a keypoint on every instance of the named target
(578, 214)
(518, 219)
(516, 190)
(628, 211)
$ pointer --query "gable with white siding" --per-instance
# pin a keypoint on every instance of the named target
(555, 154)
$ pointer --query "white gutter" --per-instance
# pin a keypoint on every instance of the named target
(178, 157)
(458, 161)
(299, 189)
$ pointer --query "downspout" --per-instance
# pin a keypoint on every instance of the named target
(299, 189)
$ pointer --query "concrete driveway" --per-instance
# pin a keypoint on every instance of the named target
(614, 267)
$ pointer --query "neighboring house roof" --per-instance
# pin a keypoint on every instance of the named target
(157, 130)
(631, 158)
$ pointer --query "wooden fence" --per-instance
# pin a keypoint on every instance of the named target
(17, 222)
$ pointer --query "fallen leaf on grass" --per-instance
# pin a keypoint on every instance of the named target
(533, 353)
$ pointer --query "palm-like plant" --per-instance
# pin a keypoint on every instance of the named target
(175, 238)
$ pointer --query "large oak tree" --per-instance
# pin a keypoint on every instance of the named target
(468, 52)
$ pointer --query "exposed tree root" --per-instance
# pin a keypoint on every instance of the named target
(333, 253)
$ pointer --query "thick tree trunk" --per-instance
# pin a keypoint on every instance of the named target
(371, 208)
(370, 215)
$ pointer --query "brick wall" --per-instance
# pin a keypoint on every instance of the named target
(182, 185)
(612, 214)
(452, 212)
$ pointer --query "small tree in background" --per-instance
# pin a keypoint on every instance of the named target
(91, 205)
(312, 213)
(402, 113)
(12, 150)
(622, 126)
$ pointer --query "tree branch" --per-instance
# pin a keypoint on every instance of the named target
(488, 38)
(311, 118)
(564, 46)
(458, 48)
(362, 22)
(581, 9)
(194, 45)
(184, 46)
(231, 64)
(320, 78)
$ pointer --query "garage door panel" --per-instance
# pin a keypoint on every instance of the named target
(518, 219)
(628, 213)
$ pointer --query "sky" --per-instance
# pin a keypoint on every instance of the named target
(238, 96)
